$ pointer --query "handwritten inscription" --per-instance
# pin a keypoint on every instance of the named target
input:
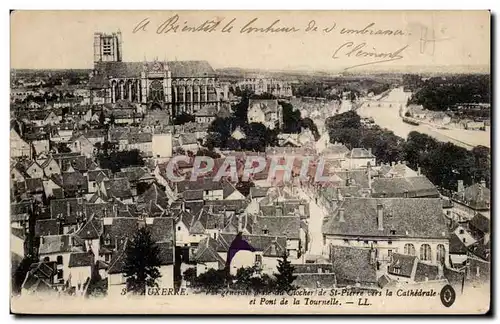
(175, 24)
(358, 50)
(362, 51)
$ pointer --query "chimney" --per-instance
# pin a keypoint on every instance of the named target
(339, 195)
(419, 171)
(68, 209)
(341, 215)
(370, 151)
(380, 217)
(392, 163)
(369, 176)
(240, 225)
(460, 186)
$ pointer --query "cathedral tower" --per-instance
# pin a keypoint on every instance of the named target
(108, 47)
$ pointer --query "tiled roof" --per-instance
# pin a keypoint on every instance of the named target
(352, 264)
(413, 187)
(315, 280)
(44, 227)
(266, 105)
(426, 272)
(92, 175)
(119, 188)
(162, 229)
(404, 263)
(91, 230)
(456, 245)
(360, 153)
(60, 244)
(270, 245)
(179, 69)
(67, 209)
(407, 217)
(476, 196)
(80, 259)
(480, 222)
(288, 226)
(154, 194)
(207, 252)
(313, 268)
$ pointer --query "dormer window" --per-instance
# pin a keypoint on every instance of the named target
(393, 232)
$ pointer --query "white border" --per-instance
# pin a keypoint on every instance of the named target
(494, 5)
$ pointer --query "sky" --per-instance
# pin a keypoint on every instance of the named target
(64, 39)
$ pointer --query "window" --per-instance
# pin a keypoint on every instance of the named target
(461, 231)
(265, 231)
(366, 242)
(346, 241)
(59, 259)
(258, 259)
(390, 242)
(409, 249)
(13, 176)
(441, 254)
(396, 270)
(60, 275)
(393, 232)
(425, 252)
(464, 240)
(178, 228)
(107, 240)
(389, 253)
(107, 257)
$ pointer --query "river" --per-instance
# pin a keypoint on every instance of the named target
(385, 112)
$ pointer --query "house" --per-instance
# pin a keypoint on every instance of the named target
(141, 141)
(288, 226)
(390, 225)
(206, 114)
(479, 226)
(119, 231)
(404, 187)
(408, 269)
(50, 167)
(474, 198)
(69, 212)
(118, 188)
(354, 266)
(458, 252)
(268, 250)
(464, 235)
(18, 147)
(206, 256)
(264, 111)
(42, 278)
(81, 144)
(95, 177)
(397, 170)
(41, 144)
(359, 158)
(17, 173)
(58, 248)
(161, 146)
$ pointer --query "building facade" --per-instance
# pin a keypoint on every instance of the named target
(175, 86)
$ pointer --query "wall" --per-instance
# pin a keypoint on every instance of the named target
(397, 245)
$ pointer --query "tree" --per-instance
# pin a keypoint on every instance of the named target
(212, 280)
(184, 118)
(20, 273)
(190, 276)
(102, 119)
(142, 262)
(284, 277)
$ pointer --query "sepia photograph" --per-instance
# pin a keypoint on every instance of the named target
(250, 162)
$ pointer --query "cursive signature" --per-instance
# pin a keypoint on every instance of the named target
(360, 51)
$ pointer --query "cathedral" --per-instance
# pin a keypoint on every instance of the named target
(172, 86)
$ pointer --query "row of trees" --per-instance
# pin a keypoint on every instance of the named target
(440, 93)
(443, 163)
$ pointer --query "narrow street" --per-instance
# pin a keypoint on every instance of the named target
(317, 214)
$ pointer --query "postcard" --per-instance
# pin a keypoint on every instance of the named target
(250, 162)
